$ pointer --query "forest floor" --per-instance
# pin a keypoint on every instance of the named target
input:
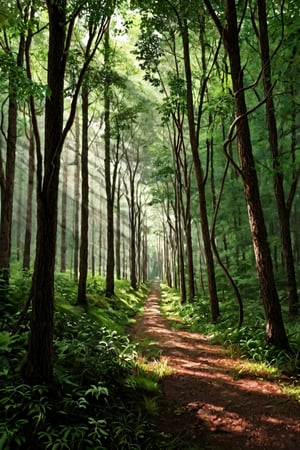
(204, 404)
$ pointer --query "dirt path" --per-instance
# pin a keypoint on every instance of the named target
(205, 405)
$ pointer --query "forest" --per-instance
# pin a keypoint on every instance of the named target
(141, 140)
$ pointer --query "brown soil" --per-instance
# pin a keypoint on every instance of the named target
(204, 404)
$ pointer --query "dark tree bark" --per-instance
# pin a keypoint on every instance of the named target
(283, 211)
(8, 176)
(184, 182)
(64, 196)
(131, 201)
(275, 331)
(109, 186)
(30, 187)
(76, 198)
(93, 261)
(144, 255)
(100, 245)
(83, 259)
(214, 302)
(19, 211)
(118, 229)
(180, 246)
(38, 364)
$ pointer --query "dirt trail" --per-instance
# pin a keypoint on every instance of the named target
(205, 405)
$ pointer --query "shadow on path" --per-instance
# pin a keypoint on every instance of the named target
(204, 404)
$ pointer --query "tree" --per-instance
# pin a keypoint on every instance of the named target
(110, 179)
(15, 73)
(282, 208)
(64, 200)
(76, 202)
(83, 259)
(30, 187)
(38, 364)
(275, 331)
(151, 52)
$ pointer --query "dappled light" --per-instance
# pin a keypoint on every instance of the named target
(206, 404)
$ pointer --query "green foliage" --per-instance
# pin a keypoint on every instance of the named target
(247, 342)
(101, 397)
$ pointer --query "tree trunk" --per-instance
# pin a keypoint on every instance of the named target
(118, 230)
(7, 193)
(19, 212)
(63, 241)
(83, 259)
(179, 232)
(38, 364)
(76, 198)
(30, 187)
(110, 256)
(93, 261)
(275, 331)
(283, 212)
(214, 302)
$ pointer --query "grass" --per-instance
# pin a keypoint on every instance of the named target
(247, 344)
(107, 393)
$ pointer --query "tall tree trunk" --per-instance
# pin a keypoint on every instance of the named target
(76, 198)
(118, 230)
(275, 331)
(38, 364)
(83, 259)
(100, 245)
(145, 255)
(130, 196)
(110, 256)
(64, 196)
(19, 216)
(93, 261)
(214, 302)
(283, 212)
(7, 185)
(30, 187)
(179, 232)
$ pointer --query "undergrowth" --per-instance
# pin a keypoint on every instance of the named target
(104, 398)
(246, 343)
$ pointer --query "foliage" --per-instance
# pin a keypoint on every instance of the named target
(247, 342)
(102, 396)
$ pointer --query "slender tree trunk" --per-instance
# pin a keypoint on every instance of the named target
(100, 244)
(214, 302)
(63, 241)
(118, 230)
(19, 216)
(132, 221)
(283, 212)
(83, 259)
(7, 187)
(76, 198)
(93, 264)
(145, 255)
(30, 187)
(178, 217)
(275, 331)
(110, 257)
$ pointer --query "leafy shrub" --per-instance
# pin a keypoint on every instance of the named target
(99, 401)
